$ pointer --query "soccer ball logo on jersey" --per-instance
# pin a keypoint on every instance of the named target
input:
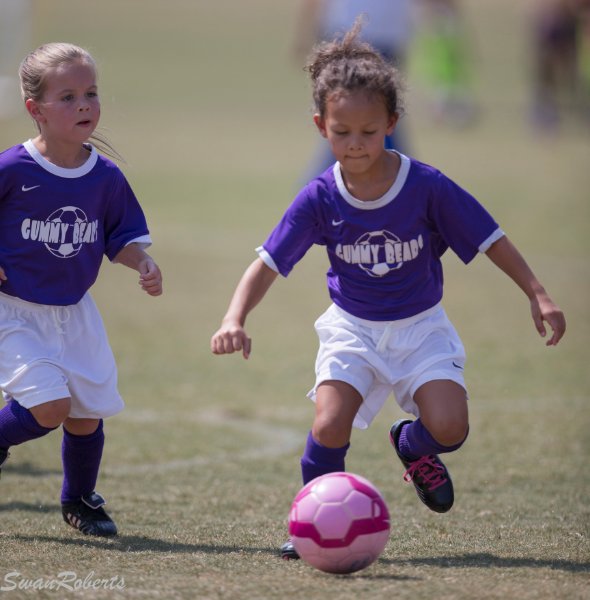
(379, 252)
(64, 232)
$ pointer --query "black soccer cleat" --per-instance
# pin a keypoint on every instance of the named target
(428, 474)
(89, 516)
(4, 454)
(288, 551)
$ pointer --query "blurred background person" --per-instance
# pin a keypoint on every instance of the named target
(442, 60)
(560, 49)
(388, 27)
(15, 38)
(584, 57)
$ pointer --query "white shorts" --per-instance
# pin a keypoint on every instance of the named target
(53, 352)
(381, 357)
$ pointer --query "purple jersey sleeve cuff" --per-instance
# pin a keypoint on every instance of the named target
(145, 241)
(485, 245)
(267, 259)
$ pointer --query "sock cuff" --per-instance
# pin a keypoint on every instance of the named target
(27, 420)
(416, 439)
(316, 451)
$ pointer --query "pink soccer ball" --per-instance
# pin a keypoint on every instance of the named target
(339, 523)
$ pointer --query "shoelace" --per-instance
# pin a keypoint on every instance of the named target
(431, 474)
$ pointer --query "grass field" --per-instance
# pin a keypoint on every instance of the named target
(212, 114)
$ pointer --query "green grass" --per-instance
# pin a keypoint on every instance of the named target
(213, 118)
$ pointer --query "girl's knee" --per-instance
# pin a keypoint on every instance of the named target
(52, 414)
(336, 406)
(450, 433)
(82, 426)
(331, 434)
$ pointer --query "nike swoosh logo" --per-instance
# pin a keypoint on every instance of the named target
(458, 366)
(336, 223)
(28, 189)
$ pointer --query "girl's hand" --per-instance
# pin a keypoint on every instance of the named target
(544, 309)
(135, 257)
(230, 338)
(150, 277)
(504, 255)
(2, 276)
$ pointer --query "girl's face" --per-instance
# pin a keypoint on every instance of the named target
(69, 110)
(355, 124)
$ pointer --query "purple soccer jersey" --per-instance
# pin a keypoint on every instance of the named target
(385, 254)
(56, 224)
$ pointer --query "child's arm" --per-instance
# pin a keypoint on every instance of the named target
(231, 336)
(135, 257)
(505, 256)
(2, 276)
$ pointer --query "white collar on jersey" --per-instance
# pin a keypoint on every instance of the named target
(62, 171)
(389, 195)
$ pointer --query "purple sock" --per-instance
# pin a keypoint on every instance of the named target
(80, 455)
(318, 460)
(415, 441)
(18, 425)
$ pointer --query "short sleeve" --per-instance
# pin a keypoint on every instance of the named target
(296, 232)
(460, 221)
(124, 220)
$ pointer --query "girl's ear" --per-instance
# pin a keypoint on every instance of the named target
(320, 124)
(392, 123)
(34, 110)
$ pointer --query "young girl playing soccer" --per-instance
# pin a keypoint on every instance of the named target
(385, 220)
(62, 207)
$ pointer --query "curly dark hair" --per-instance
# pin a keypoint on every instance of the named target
(349, 64)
